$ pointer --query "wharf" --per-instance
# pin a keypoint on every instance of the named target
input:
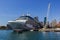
(41, 30)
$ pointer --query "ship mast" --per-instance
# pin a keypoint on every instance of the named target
(28, 13)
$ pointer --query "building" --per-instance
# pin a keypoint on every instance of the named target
(58, 25)
(45, 22)
(54, 23)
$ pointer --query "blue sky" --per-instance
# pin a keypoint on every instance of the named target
(12, 9)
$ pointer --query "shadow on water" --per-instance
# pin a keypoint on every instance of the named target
(35, 35)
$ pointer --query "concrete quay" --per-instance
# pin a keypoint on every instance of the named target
(40, 30)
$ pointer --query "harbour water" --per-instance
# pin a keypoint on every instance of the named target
(35, 35)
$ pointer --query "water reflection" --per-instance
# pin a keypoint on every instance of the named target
(24, 36)
(10, 35)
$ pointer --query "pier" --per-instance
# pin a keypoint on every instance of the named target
(40, 30)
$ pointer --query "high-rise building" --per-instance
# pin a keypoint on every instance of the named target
(45, 20)
(54, 23)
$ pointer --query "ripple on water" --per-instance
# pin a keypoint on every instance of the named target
(35, 35)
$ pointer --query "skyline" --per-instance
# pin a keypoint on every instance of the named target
(12, 9)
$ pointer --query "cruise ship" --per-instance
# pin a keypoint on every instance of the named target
(24, 22)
